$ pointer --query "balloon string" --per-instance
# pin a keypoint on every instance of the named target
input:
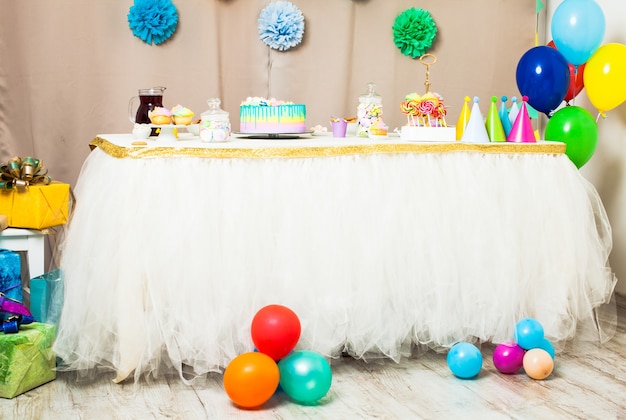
(537, 30)
(574, 93)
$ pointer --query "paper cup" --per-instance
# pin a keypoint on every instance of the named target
(339, 128)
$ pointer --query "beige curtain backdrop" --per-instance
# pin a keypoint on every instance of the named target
(68, 68)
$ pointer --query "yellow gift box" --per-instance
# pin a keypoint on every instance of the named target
(39, 207)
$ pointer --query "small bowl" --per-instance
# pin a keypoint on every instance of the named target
(194, 129)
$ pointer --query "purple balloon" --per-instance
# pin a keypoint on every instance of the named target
(508, 357)
(543, 76)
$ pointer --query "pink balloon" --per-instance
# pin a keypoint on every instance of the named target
(508, 357)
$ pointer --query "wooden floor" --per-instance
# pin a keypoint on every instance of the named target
(589, 382)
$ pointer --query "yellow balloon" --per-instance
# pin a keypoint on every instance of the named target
(605, 77)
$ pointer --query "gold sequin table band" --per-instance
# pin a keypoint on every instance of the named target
(119, 146)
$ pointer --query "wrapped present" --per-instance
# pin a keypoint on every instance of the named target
(11, 274)
(28, 196)
(26, 359)
(46, 297)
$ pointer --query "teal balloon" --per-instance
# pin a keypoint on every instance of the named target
(529, 333)
(577, 128)
(578, 28)
(305, 376)
(465, 360)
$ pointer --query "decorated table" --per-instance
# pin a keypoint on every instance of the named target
(379, 246)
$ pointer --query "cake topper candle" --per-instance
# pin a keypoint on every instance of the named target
(428, 60)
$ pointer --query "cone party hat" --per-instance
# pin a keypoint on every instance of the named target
(522, 130)
(513, 111)
(475, 131)
(504, 117)
(493, 124)
(463, 118)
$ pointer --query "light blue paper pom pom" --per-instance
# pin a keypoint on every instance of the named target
(153, 21)
(281, 25)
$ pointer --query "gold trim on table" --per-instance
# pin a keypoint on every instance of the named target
(141, 152)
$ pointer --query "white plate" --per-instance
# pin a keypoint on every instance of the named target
(322, 133)
(166, 131)
(272, 136)
(168, 125)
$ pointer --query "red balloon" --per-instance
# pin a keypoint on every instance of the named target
(576, 79)
(275, 331)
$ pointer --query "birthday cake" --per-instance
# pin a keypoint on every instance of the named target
(426, 119)
(271, 116)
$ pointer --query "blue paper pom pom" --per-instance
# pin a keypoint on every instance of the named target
(281, 25)
(153, 21)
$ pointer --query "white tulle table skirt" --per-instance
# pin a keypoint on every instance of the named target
(167, 259)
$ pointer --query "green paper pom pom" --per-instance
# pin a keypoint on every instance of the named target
(414, 31)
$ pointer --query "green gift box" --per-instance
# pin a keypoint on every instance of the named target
(26, 359)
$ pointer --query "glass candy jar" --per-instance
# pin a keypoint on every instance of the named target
(214, 123)
(369, 110)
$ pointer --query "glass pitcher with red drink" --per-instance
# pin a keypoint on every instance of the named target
(148, 100)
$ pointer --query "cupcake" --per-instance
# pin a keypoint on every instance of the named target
(160, 116)
(378, 128)
(182, 115)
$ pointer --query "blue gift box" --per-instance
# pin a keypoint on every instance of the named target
(10, 275)
(46, 296)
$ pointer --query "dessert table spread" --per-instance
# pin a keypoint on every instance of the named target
(379, 246)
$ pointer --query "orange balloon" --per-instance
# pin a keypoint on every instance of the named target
(251, 379)
(538, 364)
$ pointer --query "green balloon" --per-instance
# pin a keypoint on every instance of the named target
(305, 376)
(577, 128)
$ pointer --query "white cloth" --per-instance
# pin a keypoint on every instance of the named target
(166, 260)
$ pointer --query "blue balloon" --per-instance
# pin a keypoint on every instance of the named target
(578, 28)
(528, 333)
(543, 76)
(465, 360)
(546, 345)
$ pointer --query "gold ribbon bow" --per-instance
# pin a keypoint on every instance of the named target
(20, 173)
